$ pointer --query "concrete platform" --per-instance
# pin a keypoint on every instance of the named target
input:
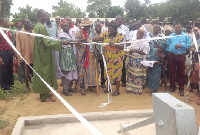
(66, 124)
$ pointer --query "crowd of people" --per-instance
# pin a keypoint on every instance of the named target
(79, 65)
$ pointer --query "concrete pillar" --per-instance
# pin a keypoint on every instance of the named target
(173, 117)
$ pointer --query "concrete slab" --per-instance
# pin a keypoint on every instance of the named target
(107, 127)
(106, 122)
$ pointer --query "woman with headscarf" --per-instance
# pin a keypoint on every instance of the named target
(154, 73)
(136, 71)
(114, 55)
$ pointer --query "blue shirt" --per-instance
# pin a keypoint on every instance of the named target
(185, 42)
(53, 32)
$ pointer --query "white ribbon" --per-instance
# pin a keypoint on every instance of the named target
(102, 44)
(90, 127)
(109, 85)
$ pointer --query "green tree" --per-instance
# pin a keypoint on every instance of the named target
(177, 10)
(114, 11)
(26, 12)
(183, 10)
(5, 6)
(65, 8)
(91, 15)
(135, 10)
(98, 7)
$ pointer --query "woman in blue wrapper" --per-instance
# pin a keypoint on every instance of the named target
(153, 73)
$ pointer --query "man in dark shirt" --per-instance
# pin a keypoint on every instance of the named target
(6, 58)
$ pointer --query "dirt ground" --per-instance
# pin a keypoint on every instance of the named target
(30, 105)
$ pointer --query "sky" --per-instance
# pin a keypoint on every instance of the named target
(47, 4)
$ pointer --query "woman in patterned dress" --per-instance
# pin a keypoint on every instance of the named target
(113, 55)
(136, 71)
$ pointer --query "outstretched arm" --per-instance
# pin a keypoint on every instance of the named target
(137, 51)
(97, 39)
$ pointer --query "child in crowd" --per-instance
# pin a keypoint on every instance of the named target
(194, 81)
(188, 65)
(165, 67)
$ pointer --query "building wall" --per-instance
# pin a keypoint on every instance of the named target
(91, 19)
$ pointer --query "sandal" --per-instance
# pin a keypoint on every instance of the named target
(48, 100)
(72, 90)
(67, 93)
(106, 91)
(83, 92)
(93, 89)
(115, 93)
(198, 93)
(50, 95)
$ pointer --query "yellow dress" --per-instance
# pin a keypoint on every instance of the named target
(113, 56)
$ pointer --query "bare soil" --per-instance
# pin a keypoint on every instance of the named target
(30, 105)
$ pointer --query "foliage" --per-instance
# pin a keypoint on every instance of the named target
(16, 90)
(98, 7)
(2, 111)
(27, 12)
(5, 8)
(114, 11)
(92, 15)
(182, 10)
(175, 10)
(4, 123)
(67, 9)
(134, 9)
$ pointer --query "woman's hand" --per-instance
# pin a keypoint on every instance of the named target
(132, 50)
(94, 55)
(66, 42)
(178, 46)
(89, 40)
(111, 44)
(84, 40)
(157, 62)
(120, 47)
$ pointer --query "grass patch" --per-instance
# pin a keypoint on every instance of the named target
(4, 123)
(2, 111)
(18, 115)
(17, 89)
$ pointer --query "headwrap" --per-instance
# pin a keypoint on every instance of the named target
(19, 23)
(146, 33)
(11, 23)
(113, 25)
(141, 29)
(164, 45)
(64, 21)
